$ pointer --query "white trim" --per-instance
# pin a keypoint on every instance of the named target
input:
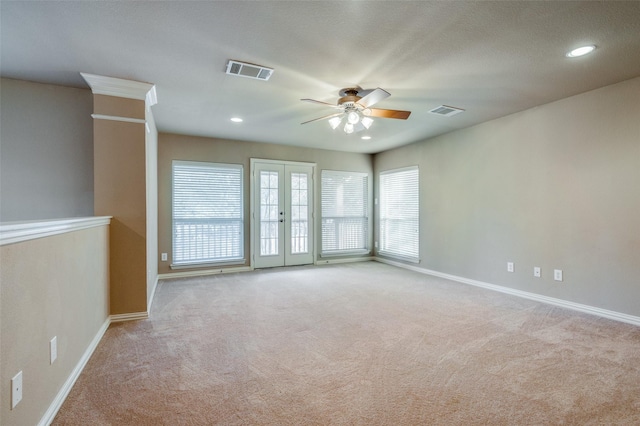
(252, 204)
(132, 316)
(117, 118)
(403, 253)
(399, 169)
(342, 253)
(366, 214)
(191, 265)
(613, 315)
(111, 86)
(344, 260)
(204, 272)
(229, 167)
(57, 402)
(15, 232)
(286, 162)
(153, 294)
(151, 98)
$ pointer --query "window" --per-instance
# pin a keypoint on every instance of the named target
(207, 213)
(345, 222)
(399, 214)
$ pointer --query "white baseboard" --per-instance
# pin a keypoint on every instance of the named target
(326, 261)
(617, 316)
(50, 414)
(204, 272)
(133, 316)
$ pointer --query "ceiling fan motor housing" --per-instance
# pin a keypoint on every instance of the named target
(349, 100)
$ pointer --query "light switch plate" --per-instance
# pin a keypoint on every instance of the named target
(557, 274)
(536, 271)
(510, 267)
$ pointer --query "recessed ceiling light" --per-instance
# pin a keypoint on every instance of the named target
(580, 51)
(366, 138)
(236, 119)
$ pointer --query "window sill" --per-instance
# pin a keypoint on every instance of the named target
(346, 253)
(231, 262)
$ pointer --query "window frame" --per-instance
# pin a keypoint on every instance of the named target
(221, 261)
(366, 228)
(414, 255)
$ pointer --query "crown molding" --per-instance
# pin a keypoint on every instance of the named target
(111, 86)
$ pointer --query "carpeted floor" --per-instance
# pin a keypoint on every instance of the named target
(356, 344)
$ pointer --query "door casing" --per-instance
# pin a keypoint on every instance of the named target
(255, 211)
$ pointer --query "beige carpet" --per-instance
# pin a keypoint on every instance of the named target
(356, 344)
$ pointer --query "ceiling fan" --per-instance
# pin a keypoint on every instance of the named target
(357, 109)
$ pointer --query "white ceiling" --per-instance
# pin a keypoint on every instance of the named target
(489, 58)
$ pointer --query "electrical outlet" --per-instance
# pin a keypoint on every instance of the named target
(16, 390)
(557, 274)
(510, 267)
(164, 257)
(536, 271)
(53, 349)
(375, 244)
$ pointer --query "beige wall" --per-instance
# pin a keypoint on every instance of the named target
(119, 107)
(54, 286)
(556, 186)
(178, 147)
(46, 151)
(120, 191)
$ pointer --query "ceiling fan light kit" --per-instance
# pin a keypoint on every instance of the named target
(335, 122)
(357, 109)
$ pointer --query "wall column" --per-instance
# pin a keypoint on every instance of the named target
(120, 186)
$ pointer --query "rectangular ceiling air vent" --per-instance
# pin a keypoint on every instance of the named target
(446, 111)
(244, 69)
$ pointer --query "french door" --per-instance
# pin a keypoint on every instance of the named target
(282, 213)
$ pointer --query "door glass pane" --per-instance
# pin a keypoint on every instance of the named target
(268, 213)
(299, 217)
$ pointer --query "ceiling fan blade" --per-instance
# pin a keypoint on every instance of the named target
(322, 118)
(320, 102)
(389, 113)
(373, 97)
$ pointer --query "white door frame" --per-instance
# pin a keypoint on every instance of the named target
(252, 204)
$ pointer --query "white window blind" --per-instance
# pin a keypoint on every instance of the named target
(207, 213)
(345, 221)
(399, 213)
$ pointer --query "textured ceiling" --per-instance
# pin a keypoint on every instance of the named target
(489, 58)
